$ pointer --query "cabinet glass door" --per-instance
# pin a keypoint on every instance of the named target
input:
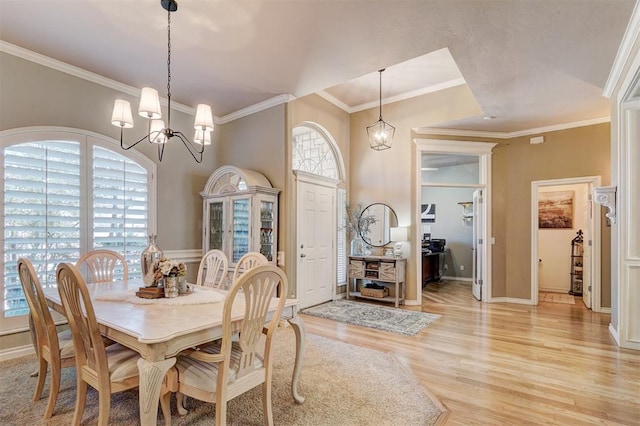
(240, 225)
(216, 230)
(267, 229)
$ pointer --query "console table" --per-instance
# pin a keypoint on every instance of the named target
(383, 270)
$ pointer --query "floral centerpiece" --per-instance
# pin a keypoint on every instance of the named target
(173, 274)
(166, 267)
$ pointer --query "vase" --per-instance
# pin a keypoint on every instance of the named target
(357, 246)
(150, 255)
(182, 284)
(171, 286)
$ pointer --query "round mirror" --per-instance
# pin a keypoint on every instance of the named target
(375, 223)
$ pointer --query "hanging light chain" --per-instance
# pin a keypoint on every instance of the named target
(169, 68)
(381, 93)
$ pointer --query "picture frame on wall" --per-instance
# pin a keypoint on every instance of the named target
(555, 210)
(428, 213)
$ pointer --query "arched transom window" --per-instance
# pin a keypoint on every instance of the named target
(313, 153)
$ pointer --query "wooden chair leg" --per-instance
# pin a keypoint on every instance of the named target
(221, 413)
(104, 405)
(165, 404)
(81, 399)
(266, 403)
(42, 375)
(54, 389)
(180, 400)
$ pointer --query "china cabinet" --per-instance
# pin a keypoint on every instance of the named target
(240, 214)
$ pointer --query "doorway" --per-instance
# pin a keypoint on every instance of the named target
(447, 175)
(562, 214)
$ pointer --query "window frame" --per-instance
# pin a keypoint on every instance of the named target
(86, 140)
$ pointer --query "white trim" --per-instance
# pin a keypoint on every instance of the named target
(509, 135)
(596, 256)
(400, 97)
(624, 52)
(186, 256)
(255, 108)
(46, 61)
(614, 334)
(484, 151)
(16, 352)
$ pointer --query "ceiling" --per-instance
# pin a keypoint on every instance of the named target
(530, 64)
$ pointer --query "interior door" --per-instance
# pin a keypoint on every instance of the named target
(316, 234)
(587, 210)
(478, 247)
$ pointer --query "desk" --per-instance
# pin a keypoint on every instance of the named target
(159, 332)
(432, 266)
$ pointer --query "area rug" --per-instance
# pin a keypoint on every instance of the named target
(394, 320)
(343, 385)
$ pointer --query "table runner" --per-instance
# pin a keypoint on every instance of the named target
(199, 295)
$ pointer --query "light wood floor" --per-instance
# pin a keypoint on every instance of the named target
(511, 364)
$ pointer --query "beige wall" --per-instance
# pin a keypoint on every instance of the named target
(582, 151)
(388, 176)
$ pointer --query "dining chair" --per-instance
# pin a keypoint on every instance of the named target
(100, 266)
(248, 261)
(223, 370)
(52, 348)
(213, 269)
(108, 369)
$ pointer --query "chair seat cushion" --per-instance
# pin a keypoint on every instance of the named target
(65, 343)
(203, 375)
(123, 362)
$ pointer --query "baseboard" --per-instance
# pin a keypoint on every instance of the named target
(614, 333)
(510, 300)
(446, 277)
(16, 352)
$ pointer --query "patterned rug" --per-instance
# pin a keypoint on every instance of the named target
(394, 320)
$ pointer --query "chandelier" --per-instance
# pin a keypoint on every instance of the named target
(149, 108)
(380, 133)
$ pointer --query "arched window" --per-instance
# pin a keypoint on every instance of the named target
(313, 153)
(65, 193)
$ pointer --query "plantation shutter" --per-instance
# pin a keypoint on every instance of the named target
(119, 206)
(41, 213)
(341, 266)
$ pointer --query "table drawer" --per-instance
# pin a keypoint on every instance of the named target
(387, 271)
(356, 268)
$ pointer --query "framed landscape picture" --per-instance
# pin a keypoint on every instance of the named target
(555, 210)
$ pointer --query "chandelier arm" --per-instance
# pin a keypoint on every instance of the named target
(161, 150)
(195, 152)
(147, 136)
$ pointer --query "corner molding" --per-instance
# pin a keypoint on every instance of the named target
(606, 197)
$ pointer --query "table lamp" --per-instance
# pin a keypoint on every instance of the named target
(399, 235)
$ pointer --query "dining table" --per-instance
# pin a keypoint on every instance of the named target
(159, 329)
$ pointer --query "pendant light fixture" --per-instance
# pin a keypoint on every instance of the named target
(380, 133)
(149, 108)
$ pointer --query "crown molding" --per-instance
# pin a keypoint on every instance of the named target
(260, 106)
(46, 61)
(401, 97)
(624, 52)
(509, 135)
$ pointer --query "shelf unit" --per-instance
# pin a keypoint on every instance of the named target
(383, 270)
(577, 265)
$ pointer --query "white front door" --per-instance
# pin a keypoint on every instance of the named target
(315, 243)
(478, 246)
